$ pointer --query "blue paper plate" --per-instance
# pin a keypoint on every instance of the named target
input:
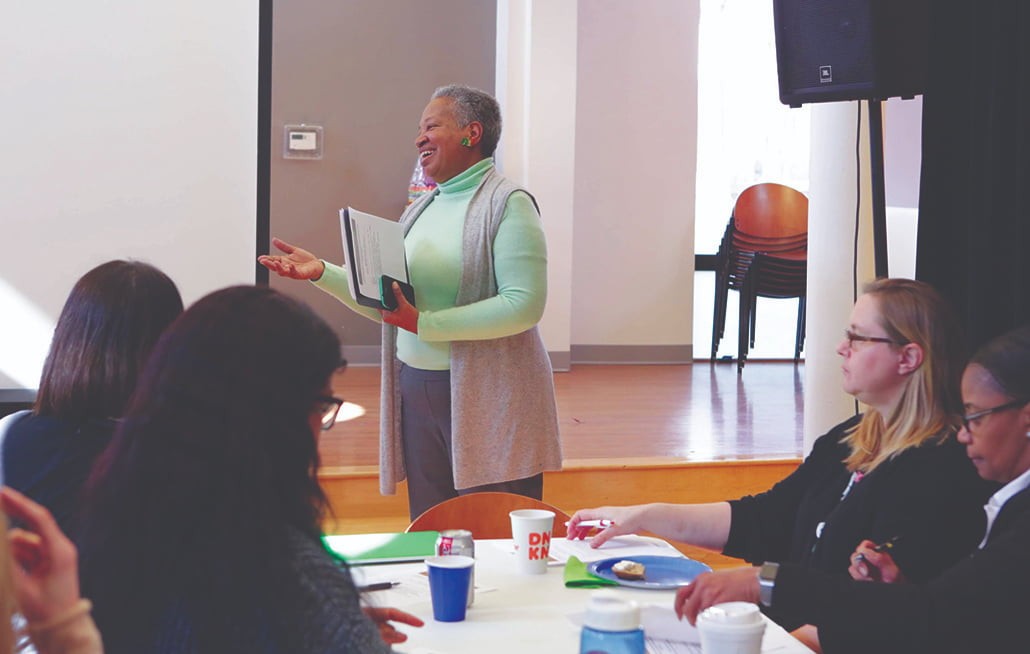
(660, 572)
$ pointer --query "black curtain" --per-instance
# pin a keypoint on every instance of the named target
(973, 242)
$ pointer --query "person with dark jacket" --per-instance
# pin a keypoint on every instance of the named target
(109, 323)
(895, 472)
(977, 605)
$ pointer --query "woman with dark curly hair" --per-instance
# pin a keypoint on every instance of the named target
(201, 528)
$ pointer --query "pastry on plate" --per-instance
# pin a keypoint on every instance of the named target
(629, 570)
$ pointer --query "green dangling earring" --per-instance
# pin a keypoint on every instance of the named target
(466, 142)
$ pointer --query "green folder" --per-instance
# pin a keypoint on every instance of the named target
(363, 549)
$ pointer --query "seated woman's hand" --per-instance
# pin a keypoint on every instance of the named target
(735, 585)
(619, 520)
(296, 263)
(869, 565)
(383, 616)
(45, 573)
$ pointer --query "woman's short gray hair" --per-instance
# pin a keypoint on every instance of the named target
(472, 105)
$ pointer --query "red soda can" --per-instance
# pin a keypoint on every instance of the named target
(458, 542)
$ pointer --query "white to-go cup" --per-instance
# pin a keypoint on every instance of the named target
(731, 628)
(531, 533)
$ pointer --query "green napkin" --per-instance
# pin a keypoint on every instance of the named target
(577, 576)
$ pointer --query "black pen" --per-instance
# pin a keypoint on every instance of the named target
(382, 585)
(885, 546)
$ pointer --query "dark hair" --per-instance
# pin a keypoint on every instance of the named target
(214, 463)
(1007, 360)
(105, 332)
(474, 106)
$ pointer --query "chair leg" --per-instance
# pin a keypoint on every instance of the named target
(715, 317)
(799, 339)
(743, 325)
(719, 311)
(751, 324)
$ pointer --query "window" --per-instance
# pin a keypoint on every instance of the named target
(745, 136)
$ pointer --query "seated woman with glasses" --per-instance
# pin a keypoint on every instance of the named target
(979, 604)
(202, 519)
(894, 472)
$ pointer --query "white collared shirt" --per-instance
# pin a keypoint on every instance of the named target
(1004, 494)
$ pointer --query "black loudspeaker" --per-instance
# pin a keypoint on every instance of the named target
(831, 50)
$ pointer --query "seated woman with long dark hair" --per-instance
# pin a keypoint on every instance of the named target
(109, 323)
(201, 528)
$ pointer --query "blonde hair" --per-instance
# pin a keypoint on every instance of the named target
(912, 312)
(7, 601)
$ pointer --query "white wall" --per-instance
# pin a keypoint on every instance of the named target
(537, 88)
(837, 271)
(130, 132)
(636, 136)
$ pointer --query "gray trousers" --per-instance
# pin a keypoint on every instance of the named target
(426, 436)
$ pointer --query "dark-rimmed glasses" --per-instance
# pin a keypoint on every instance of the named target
(973, 417)
(329, 407)
(852, 338)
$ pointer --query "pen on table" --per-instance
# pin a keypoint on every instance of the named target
(382, 585)
(600, 524)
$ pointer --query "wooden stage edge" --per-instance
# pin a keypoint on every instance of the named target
(357, 506)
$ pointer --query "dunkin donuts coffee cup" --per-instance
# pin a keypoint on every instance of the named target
(531, 533)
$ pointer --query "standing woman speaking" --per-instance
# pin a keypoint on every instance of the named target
(467, 389)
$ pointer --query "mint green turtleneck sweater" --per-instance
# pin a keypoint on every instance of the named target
(433, 249)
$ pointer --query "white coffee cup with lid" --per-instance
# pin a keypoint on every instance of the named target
(731, 628)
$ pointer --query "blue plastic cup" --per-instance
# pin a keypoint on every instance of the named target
(449, 579)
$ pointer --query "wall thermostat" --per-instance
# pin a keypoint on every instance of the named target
(302, 142)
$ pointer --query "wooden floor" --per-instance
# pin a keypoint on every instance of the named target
(700, 412)
(631, 434)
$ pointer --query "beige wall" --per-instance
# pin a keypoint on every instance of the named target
(625, 246)
(636, 142)
(363, 70)
(130, 133)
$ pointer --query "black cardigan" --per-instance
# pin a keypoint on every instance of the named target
(930, 497)
(979, 605)
(49, 459)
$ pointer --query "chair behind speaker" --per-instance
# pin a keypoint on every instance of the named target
(771, 219)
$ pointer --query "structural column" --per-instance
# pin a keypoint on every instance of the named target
(839, 182)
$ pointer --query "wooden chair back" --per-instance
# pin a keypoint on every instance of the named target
(771, 211)
(484, 514)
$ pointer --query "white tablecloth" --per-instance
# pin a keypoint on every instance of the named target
(522, 613)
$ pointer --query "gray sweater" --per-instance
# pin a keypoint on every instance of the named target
(503, 415)
(325, 609)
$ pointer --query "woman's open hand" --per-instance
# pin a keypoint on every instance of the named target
(296, 263)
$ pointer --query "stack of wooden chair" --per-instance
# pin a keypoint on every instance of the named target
(763, 253)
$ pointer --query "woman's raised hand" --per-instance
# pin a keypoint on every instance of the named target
(296, 263)
(45, 570)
